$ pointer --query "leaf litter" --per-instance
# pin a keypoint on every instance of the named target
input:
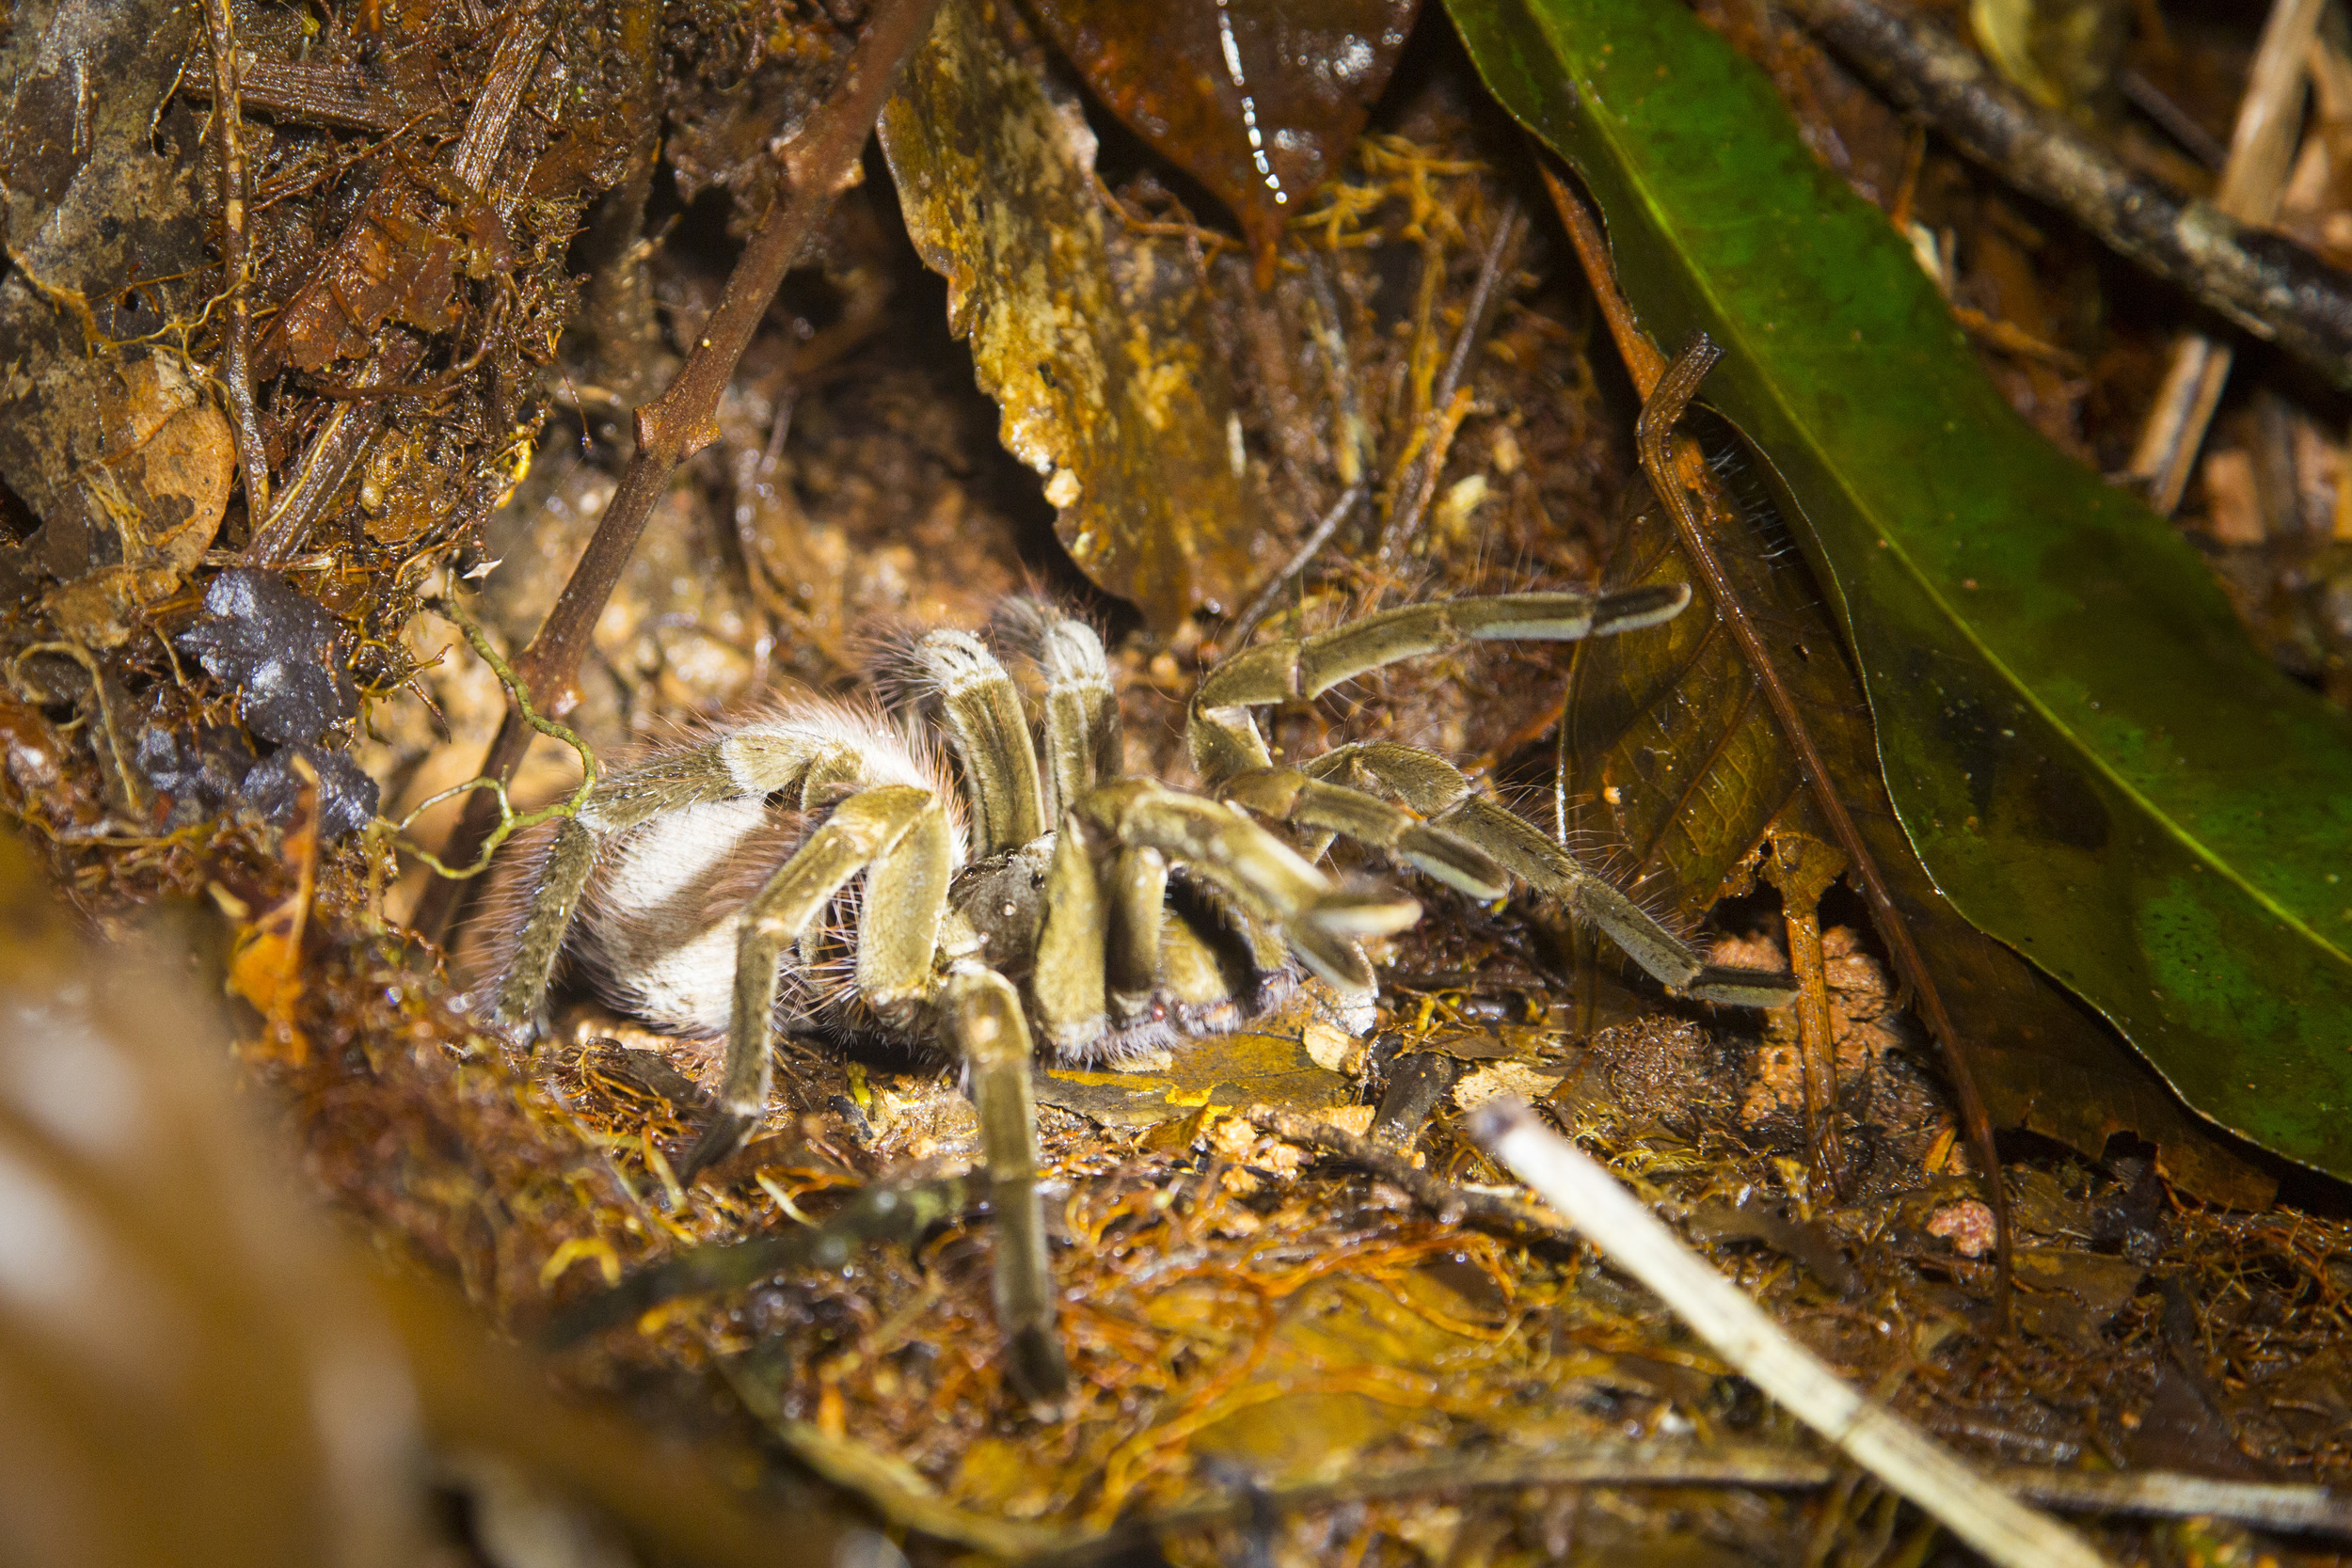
(1252, 1321)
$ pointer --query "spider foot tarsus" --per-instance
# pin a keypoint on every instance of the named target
(728, 1129)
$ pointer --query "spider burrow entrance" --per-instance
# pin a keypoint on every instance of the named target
(820, 863)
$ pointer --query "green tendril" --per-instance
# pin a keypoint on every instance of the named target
(510, 821)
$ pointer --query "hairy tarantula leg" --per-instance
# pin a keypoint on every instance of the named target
(1320, 922)
(1433, 786)
(621, 800)
(522, 990)
(1519, 845)
(862, 831)
(1139, 908)
(1224, 738)
(1068, 983)
(1288, 794)
(984, 1016)
(1082, 741)
(981, 709)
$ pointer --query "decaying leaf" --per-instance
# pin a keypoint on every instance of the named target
(1091, 343)
(152, 500)
(1674, 753)
(105, 230)
(1258, 100)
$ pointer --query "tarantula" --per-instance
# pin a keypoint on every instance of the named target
(1038, 890)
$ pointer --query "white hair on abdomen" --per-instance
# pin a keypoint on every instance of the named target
(893, 752)
(661, 924)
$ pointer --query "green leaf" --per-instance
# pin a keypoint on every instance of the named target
(2093, 762)
(1676, 756)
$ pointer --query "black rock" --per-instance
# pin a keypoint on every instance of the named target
(347, 797)
(277, 649)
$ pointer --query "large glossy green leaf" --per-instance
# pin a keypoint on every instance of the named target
(1676, 756)
(2092, 761)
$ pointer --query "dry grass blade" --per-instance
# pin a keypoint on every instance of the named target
(2004, 1530)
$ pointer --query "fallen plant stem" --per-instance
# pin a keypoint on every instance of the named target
(881, 1214)
(2265, 284)
(2252, 179)
(1451, 1204)
(236, 259)
(1675, 471)
(1418, 481)
(2004, 1530)
(819, 163)
(1263, 606)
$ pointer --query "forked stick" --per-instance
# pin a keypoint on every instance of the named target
(820, 163)
(1906, 1459)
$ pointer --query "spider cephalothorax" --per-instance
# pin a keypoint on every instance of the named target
(819, 864)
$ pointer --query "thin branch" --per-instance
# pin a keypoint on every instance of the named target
(236, 259)
(1675, 474)
(2269, 119)
(820, 163)
(1333, 520)
(2265, 284)
(1451, 1204)
(1719, 1313)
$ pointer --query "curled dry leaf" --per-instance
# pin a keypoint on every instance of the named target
(1088, 339)
(1257, 100)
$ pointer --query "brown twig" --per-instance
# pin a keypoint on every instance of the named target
(1263, 605)
(1666, 391)
(820, 163)
(236, 259)
(2252, 179)
(1450, 1204)
(2270, 286)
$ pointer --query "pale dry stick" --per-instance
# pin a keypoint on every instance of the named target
(2261, 152)
(1666, 391)
(820, 163)
(236, 259)
(2147, 1493)
(2005, 1531)
(347, 433)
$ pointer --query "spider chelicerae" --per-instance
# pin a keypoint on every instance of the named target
(820, 863)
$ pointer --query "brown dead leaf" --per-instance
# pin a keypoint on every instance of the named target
(266, 964)
(159, 486)
(1089, 337)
